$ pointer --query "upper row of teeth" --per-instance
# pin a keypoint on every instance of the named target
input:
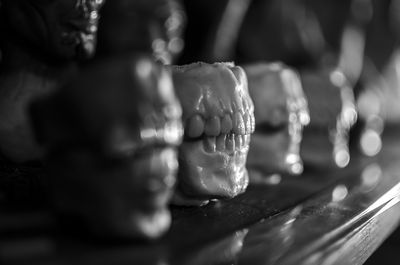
(237, 123)
(226, 143)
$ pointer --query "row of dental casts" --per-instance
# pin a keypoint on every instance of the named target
(124, 136)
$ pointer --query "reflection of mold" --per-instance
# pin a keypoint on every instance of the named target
(224, 251)
(370, 177)
(267, 241)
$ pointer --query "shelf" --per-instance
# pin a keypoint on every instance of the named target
(321, 217)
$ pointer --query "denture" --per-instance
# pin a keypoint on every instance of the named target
(333, 113)
(218, 120)
(281, 112)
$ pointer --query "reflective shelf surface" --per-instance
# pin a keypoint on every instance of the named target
(321, 217)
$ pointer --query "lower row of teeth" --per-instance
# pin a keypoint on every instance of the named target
(226, 142)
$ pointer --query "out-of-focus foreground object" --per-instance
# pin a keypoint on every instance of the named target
(40, 42)
(150, 26)
(111, 138)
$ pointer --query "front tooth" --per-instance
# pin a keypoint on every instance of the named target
(245, 104)
(226, 124)
(195, 126)
(238, 141)
(230, 142)
(238, 124)
(210, 144)
(221, 142)
(213, 126)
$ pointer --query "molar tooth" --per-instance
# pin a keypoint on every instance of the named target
(247, 122)
(195, 126)
(238, 142)
(245, 104)
(213, 126)
(221, 142)
(210, 144)
(253, 123)
(238, 124)
(226, 124)
(230, 142)
(246, 140)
